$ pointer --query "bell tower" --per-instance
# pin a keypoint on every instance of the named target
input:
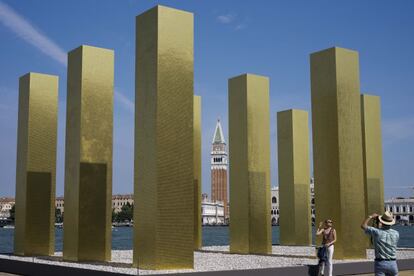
(219, 164)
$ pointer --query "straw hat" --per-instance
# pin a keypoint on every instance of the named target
(387, 218)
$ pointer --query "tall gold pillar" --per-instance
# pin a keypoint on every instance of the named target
(337, 147)
(372, 150)
(164, 166)
(197, 173)
(88, 167)
(249, 151)
(294, 177)
(36, 165)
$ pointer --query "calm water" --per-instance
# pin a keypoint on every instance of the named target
(122, 237)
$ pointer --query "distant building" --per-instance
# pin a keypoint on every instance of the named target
(402, 208)
(117, 202)
(60, 204)
(120, 200)
(275, 211)
(212, 213)
(204, 197)
(219, 166)
(6, 203)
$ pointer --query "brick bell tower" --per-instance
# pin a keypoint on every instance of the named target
(219, 166)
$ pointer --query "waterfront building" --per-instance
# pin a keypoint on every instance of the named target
(274, 211)
(121, 200)
(219, 164)
(60, 204)
(212, 212)
(117, 202)
(402, 208)
(6, 204)
(204, 196)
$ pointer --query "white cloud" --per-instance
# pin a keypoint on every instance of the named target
(240, 27)
(226, 18)
(29, 33)
(25, 30)
(233, 20)
(126, 102)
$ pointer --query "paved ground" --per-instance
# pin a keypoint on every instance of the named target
(218, 258)
(401, 273)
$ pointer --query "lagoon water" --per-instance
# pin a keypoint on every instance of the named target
(217, 235)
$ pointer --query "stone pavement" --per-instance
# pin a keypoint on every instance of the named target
(401, 273)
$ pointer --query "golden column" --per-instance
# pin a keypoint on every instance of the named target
(372, 150)
(164, 166)
(88, 168)
(294, 177)
(337, 147)
(249, 151)
(36, 165)
(197, 173)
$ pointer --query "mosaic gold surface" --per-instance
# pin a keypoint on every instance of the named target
(36, 165)
(88, 167)
(372, 150)
(337, 147)
(249, 151)
(294, 177)
(197, 173)
(164, 166)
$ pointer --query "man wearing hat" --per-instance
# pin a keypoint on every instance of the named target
(385, 242)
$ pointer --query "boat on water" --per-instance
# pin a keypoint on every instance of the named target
(59, 225)
(123, 224)
(8, 226)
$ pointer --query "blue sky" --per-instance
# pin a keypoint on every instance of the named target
(272, 38)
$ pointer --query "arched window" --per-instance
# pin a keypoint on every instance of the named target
(397, 209)
(274, 200)
(313, 201)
